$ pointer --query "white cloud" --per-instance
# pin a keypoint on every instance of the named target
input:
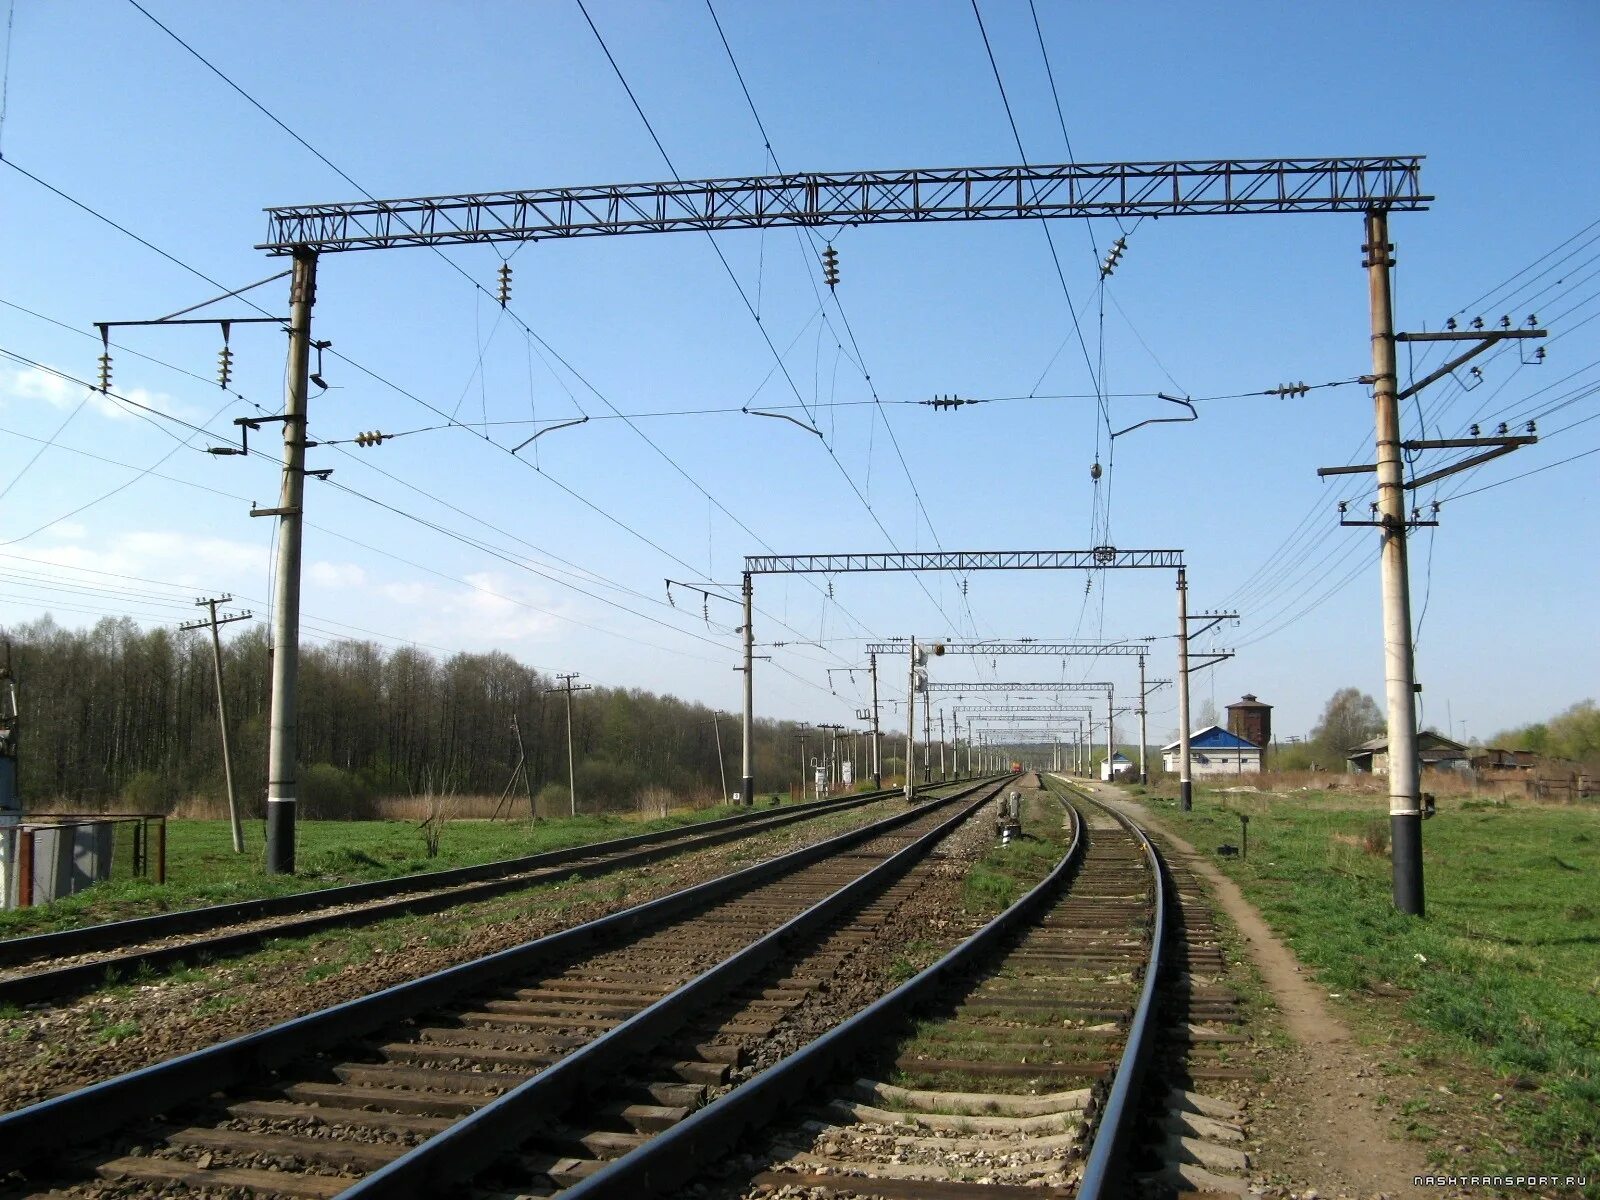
(32, 385)
(336, 575)
(498, 613)
(181, 558)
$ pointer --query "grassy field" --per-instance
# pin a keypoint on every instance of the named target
(203, 869)
(1503, 975)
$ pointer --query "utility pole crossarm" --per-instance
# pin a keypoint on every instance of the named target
(1137, 189)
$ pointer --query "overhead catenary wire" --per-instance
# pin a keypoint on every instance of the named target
(744, 297)
(528, 331)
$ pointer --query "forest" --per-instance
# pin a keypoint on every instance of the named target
(118, 717)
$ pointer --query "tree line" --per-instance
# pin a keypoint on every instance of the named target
(118, 715)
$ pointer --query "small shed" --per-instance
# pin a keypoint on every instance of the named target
(1119, 767)
(1437, 752)
(1215, 751)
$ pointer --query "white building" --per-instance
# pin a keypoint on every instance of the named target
(1119, 767)
(1215, 751)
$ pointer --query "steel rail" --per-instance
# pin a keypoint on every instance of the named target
(1107, 1158)
(671, 1158)
(477, 1140)
(417, 894)
(44, 1129)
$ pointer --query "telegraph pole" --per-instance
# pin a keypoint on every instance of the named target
(1185, 781)
(722, 763)
(877, 748)
(282, 743)
(572, 766)
(747, 783)
(222, 712)
(527, 775)
(804, 762)
(1405, 784)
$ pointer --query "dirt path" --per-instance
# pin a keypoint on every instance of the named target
(1325, 1128)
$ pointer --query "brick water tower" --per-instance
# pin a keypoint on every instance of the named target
(1252, 720)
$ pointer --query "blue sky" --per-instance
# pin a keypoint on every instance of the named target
(418, 99)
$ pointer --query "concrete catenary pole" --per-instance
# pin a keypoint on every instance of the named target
(1405, 785)
(1144, 733)
(877, 733)
(943, 771)
(969, 746)
(1185, 780)
(747, 780)
(282, 743)
(1111, 735)
(927, 741)
(911, 719)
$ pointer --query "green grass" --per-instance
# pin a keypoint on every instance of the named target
(1503, 974)
(1003, 875)
(202, 868)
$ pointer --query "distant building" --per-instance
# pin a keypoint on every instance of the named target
(1250, 719)
(1215, 751)
(1120, 766)
(1437, 752)
(1492, 758)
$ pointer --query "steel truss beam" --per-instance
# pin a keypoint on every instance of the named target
(1052, 649)
(1156, 189)
(960, 688)
(1003, 709)
(962, 560)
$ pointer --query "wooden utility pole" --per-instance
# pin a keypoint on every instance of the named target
(215, 622)
(522, 765)
(572, 766)
(722, 764)
(805, 762)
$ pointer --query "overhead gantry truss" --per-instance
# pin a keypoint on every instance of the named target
(1198, 187)
(963, 688)
(1050, 649)
(962, 560)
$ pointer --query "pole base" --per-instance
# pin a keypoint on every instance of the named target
(280, 837)
(1405, 843)
(1186, 796)
(747, 790)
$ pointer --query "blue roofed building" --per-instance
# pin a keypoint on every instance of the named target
(1215, 751)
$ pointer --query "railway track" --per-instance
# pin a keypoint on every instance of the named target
(1021, 1079)
(52, 966)
(631, 1020)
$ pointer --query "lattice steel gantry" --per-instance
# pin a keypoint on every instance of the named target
(1369, 185)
